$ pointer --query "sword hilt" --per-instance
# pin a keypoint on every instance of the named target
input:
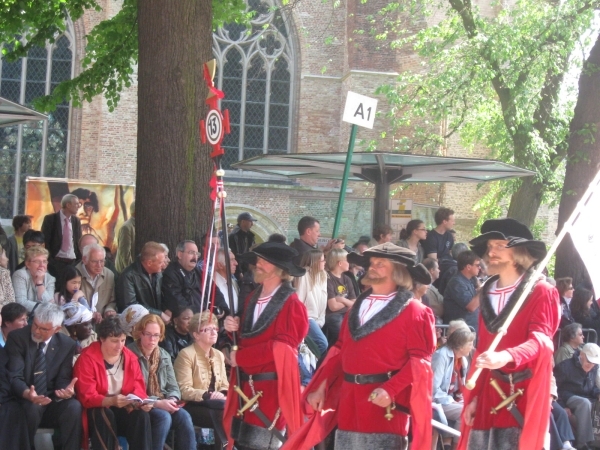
(249, 403)
(507, 401)
(497, 388)
(388, 413)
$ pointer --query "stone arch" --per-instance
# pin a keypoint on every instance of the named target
(262, 228)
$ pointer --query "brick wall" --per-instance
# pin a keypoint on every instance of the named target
(331, 60)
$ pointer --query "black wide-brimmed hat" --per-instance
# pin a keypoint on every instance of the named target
(395, 253)
(278, 254)
(511, 230)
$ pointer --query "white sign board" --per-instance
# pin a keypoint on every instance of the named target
(360, 110)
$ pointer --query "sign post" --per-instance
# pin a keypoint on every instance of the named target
(359, 111)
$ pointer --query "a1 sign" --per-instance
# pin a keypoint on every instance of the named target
(360, 110)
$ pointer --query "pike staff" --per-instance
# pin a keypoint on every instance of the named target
(568, 225)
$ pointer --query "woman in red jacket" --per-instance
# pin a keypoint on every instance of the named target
(107, 374)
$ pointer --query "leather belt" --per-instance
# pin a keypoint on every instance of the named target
(517, 377)
(265, 376)
(369, 379)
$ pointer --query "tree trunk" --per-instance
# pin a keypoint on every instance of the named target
(583, 162)
(526, 201)
(173, 167)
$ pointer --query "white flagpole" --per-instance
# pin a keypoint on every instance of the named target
(568, 225)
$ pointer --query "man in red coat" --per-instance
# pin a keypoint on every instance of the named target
(272, 326)
(523, 359)
(377, 377)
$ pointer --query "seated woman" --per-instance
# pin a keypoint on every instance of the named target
(582, 310)
(161, 385)
(13, 426)
(33, 283)
(411, 237)
(78, 324)
(177, 334)
(200, 373)
(7, 293)
(14, 316)
(572, 338)
(107, 373)
(564, 286)
(449, 364)
(340, 293)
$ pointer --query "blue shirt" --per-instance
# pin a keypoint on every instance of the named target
(458, 294)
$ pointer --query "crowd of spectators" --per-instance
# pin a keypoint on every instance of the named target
(140, 352)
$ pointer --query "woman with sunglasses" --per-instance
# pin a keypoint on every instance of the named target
(201, 375)
(161, 386)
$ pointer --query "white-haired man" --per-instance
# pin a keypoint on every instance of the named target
(97, 282)
(62, 231)
(41, 371)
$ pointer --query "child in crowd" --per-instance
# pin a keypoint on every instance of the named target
(70, 288)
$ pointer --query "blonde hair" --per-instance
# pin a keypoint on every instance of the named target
(148, 319)
(34, 251)
(311, 260)
(334, 256)
(150, 250)
(199, 319)
(401, 276)
(523, 259)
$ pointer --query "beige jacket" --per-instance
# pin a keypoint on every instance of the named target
(105, 287)
(192, 371)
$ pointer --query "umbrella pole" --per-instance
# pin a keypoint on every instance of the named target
(340, 206)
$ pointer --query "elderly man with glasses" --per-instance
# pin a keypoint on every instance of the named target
(97, 282)
(41, 370)
(182, 281)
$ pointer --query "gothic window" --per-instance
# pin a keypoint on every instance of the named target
(255, 68)
(35, 149)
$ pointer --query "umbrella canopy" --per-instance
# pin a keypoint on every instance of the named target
(383, 169)
(14, 114)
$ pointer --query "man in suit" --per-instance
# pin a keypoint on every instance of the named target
(141, 282)
(41, 367)
(62, 231)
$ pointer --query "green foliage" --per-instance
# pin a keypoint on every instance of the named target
(495, 82)
(111, 49)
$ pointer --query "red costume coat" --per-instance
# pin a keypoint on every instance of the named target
(399, 337)
(270, 345)
(528, 340)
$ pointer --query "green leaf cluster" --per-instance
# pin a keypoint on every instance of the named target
(111, 52)
(496, 82)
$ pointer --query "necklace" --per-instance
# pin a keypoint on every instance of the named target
(109, 366)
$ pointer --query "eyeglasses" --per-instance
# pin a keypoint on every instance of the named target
(97, 261)
(151, 336)
(192, 253)
(42, 329)
(39, 262)
(209, 330)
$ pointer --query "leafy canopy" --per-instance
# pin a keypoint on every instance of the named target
(496, 81)
(111, 48)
